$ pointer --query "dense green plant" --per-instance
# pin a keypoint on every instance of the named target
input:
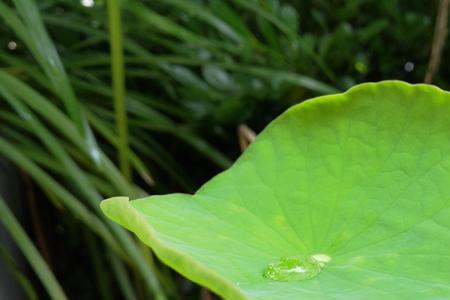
(76, 169)
(31, 253)
(193, 71)
(341, 197)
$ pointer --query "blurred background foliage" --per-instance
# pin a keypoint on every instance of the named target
(194, 70)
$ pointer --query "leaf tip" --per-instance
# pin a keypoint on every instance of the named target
(115, 207)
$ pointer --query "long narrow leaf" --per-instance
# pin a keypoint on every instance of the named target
(32, 31)
(68, 200)
(27, 247)
(18, 274)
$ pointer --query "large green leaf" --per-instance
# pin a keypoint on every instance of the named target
(361, 178)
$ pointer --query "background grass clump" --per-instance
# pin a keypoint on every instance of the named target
(85, 115)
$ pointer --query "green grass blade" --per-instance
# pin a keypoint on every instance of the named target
(32, 31)
(122, 278)
(64, 125)
(18, 274)
(257, 9)
(202, 13)
(108, 134)
(260, 71)
(78, 177)
(169, 27)
(72, 171)
(43, 49)
(27, 247)
(228, 14)
(97, 262)
(67, 199)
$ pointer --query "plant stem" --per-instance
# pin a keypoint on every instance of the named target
(440, 35)
(118, 82)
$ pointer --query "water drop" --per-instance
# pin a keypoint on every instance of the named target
(12, 45)
(409, 66)
(87, 3)
(296, 268)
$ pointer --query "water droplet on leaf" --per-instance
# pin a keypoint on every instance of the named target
(296, 267)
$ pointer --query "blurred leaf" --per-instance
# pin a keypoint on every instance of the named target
(18, 274)
(31, 253)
